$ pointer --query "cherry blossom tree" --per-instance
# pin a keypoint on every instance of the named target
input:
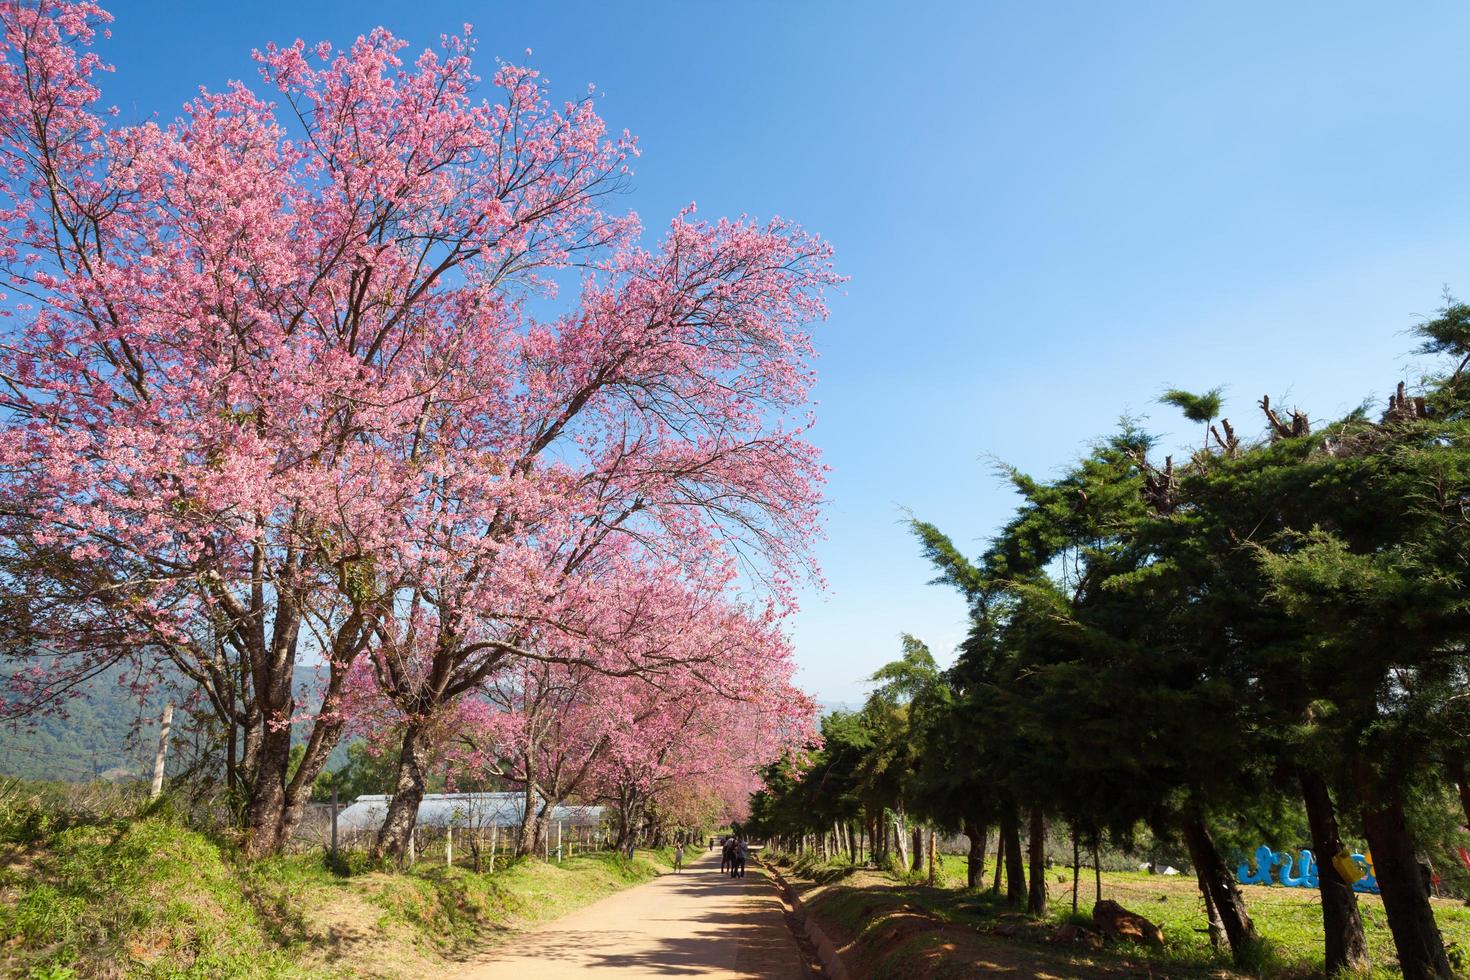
(273, 393)
(684, 737)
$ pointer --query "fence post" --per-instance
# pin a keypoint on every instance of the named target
(334, 821)
(168, 720)
(494, 843)
(449, 847)
(558, 842)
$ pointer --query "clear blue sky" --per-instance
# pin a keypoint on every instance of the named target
(1049, 211)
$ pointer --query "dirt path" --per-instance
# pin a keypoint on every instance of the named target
(697, 924)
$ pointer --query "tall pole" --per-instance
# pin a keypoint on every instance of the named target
(168, 720)
(334, 821)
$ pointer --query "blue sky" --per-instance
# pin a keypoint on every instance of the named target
(1050, 212)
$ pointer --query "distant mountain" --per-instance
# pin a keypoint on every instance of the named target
(104, 733)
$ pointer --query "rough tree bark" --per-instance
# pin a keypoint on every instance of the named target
(1036, 897)
(975, 863)
(1076, 868)
(1346, 947)
(1457, 773)
(899, 843)
(1015, 874)
(1212, 914)
(265, 813)
(1096, 871)
(917, 855)
(1220, 883)
(1405, 898)
(408, 792)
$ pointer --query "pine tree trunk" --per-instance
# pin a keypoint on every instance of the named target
(1405, 898)
(1457, 773)
(918, 850)
(1220, 882)
(408, 793)
(975, 865)
(1096, 872)
(1212, 914)
(1036, 897)
(1346, 948)
(1015, 874)
(1076, 868)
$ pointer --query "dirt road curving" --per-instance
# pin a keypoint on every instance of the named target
(697, 924)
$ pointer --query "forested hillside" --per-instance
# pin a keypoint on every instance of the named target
(104, 734)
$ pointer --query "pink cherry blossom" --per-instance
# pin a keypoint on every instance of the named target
(275, 398)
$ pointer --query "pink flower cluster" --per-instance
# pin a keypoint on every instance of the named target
(274, 394)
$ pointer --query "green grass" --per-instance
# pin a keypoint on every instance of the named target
(148, 895)
(144, 896)
(1288, 920)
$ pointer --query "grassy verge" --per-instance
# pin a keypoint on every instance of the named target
(144, 896)
(895, 926)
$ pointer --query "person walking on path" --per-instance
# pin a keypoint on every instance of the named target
(727, 855)
(738, 855)
(678, 858)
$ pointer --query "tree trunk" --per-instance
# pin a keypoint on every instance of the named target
(1212, 914)
(408, 792)
(899, 843)
(1096, 872)
(1000, 856)
(265, 813)
(1010, 831)
(528, 831)
(1457, 773)
(1220, 883)
(1076, 868)
(1405, 898)
(1346, 948)
(975, 865)
(918, 850)
(1036, 897)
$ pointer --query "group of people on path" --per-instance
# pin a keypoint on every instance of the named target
(733, 854)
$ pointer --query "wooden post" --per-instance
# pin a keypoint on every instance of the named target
(168, 720)
(449, 847)
(334, 821)
(413, 836)
(558, 842)
(494, 843)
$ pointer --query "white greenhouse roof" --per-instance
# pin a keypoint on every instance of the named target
(463, 810)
